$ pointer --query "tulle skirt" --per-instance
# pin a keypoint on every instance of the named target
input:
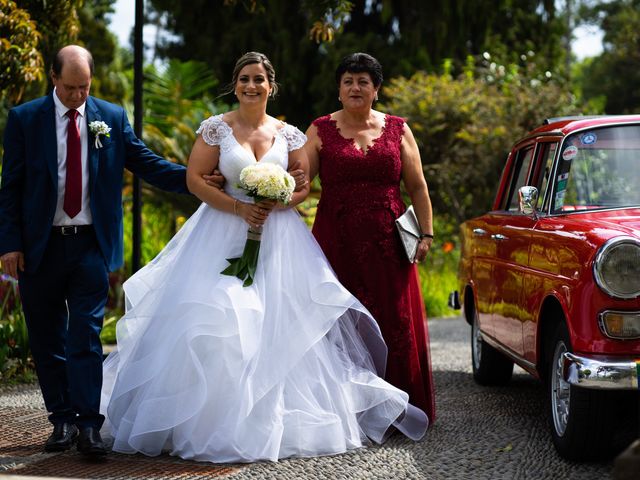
(207, 369)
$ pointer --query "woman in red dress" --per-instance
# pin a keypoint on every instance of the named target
(361, 156)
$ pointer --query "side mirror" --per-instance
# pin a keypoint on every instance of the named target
(528, 197)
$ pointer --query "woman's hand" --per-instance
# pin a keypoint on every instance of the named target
(423, 249)
(255, 214)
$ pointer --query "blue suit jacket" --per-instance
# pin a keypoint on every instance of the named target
(28, 193)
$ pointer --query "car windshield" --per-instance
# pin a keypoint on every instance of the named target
(598, 168)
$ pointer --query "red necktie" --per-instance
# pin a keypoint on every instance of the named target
(73, 185)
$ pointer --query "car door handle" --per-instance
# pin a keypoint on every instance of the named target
(478, 232)
(499, 237)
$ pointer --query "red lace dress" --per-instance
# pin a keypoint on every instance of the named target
(355, 227)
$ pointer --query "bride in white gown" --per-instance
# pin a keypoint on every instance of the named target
(207, 369)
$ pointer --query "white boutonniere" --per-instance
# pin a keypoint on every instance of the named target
(99, 128)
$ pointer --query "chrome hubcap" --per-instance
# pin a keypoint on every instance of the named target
(560, 392)
(476, 343)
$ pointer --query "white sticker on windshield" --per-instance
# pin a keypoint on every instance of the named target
(559, 199)
(570, 153)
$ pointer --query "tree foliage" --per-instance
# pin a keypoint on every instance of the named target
(176, 100)
(405, 35)
(614, 74)
(34, 31)
(31, 31)
(206, 35)
(20, 60)
(57, 25)
(57, 22)
(465, 126)
(110, 80)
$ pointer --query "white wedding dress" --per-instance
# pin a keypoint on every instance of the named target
(207, 369)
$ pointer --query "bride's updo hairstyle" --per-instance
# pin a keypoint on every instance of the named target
(360, 63)
(250, 58)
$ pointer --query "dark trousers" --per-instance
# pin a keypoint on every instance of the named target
(63, 303)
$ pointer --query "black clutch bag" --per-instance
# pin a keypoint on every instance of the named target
(409, 230)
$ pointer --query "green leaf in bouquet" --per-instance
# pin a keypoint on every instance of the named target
(244, 267)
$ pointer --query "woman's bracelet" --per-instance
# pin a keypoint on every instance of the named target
(426, 235)
(235, 206)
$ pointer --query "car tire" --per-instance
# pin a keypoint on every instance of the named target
(586, 424)
(490, 367)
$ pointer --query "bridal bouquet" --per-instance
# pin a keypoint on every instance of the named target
(261, 181)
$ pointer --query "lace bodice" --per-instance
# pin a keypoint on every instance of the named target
(356, 180)
(234, 157)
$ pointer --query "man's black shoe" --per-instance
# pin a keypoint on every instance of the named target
(63, 436)
(90, 442)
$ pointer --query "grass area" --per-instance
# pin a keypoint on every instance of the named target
(108, 333)
(438, 278)
(438, 274)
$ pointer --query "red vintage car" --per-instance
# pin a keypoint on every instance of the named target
(550, 279)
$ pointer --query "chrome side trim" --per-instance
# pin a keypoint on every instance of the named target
(526, 364)
(600, 372)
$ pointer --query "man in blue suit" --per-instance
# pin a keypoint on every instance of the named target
(61, 233)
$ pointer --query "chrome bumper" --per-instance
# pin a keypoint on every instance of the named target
(601, 372)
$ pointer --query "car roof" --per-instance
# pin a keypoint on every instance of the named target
(567, 125)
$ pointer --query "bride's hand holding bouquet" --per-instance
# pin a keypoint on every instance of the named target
(255, 214)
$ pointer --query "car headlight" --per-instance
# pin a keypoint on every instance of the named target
(617, 267)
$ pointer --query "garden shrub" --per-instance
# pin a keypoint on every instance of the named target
(466, 125)
(15, 357)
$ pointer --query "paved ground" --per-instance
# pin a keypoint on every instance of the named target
(481, 433)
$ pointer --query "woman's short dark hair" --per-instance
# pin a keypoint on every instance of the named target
(360, 63)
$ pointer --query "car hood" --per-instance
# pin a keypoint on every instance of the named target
(604, 224)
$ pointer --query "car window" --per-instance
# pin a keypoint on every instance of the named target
(546, 161)
(599, 168)
(521, 169)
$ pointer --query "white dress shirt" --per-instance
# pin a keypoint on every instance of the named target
(84, 217)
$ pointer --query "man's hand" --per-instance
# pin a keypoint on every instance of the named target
(215, 179)
(298, 175)
(11, 262)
